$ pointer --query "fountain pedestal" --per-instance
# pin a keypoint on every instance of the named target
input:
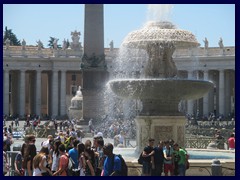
(160, 128)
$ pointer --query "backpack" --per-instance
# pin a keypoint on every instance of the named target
(70, 166)
(140, 159)
(124, 168)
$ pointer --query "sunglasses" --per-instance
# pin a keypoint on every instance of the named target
(34, 140)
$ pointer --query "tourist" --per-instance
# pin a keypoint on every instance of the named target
(231, 142)
(119, 139)
(36, 165)
(158, 159)
(45, 162)
(219, 140)
(19, 171)
(111, 166)
(63, 162)
(148, 159)
(168, 159)
(55, 156)
(31, 152)
(81, 160)
(90, 126)
(5, 160)
(180, 157)
(98, 150)
(90, 161)
(48, 142)
(73, 153)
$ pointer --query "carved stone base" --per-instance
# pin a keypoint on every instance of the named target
(75, 113)
(159, 128)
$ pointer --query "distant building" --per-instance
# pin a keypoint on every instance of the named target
(45, 83)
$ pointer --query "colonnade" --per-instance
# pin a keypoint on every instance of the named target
(220, 100)
(17, 94)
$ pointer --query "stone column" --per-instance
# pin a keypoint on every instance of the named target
(6, 92)
(190, 103)
(38, 92)
(221, 102)
(63, 93)
(54, 93)
(227, 93)
(205, 98)
(22, 93)
(93, 65)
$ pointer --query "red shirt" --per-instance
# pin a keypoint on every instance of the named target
(231, 142)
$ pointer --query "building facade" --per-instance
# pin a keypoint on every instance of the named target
(43, 81)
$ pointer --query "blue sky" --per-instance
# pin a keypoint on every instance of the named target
(38, 21)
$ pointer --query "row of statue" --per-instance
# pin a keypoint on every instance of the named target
(220, 43)
(76, 45)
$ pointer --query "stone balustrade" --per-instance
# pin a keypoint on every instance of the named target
(32, 51)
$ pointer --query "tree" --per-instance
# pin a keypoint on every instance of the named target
(50, 42)
(11, 36)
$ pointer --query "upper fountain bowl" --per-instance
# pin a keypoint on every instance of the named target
(166, 89)
(160, 32)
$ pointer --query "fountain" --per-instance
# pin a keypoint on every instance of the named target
(160, 91)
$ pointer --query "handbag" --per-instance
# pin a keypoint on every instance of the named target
(140, 159)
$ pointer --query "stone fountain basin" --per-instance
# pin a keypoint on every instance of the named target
(160, 89)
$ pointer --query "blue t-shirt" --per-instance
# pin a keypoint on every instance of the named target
(109, 167)
(73, 153)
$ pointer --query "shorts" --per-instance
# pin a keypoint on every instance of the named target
(168, 168)
(146, 168)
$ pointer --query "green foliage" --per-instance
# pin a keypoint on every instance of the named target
(11, 36)
(50, 42)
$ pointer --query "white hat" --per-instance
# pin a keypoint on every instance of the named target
(99, 134)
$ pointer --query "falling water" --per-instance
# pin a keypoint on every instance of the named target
(159, 12)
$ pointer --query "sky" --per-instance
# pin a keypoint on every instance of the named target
(33, 22)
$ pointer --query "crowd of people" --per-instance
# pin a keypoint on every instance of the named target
(167, 157)
(91, 158)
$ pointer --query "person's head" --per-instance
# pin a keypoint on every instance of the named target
(56, 145)
(100, 142)
(81, 148)
(30, 139)
(232, 135)
(171, 142)
(108, 149)
(167, 144)
(151, 141)
(50, 138)
(175, 146)
(88, 143)
(61, 148)
(44, 150)
(160, 144)
(75, 143)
